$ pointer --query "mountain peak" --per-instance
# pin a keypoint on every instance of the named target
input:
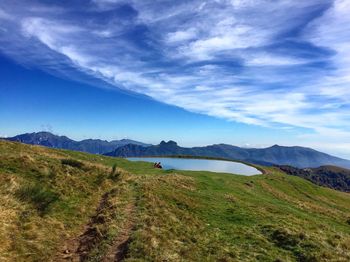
(41, 133)
(169, 143)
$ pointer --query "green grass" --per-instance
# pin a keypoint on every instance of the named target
(173, 215)
(39, 196)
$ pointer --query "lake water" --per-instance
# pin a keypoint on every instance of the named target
(220, 166)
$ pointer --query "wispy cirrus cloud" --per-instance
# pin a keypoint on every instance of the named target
(4, 15)
(331, 31)
(279, 64)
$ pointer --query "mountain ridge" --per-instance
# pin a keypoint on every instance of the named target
(301, 157)
(94, 146)
(297, 156)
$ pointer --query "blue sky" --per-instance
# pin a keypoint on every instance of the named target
(249, 73)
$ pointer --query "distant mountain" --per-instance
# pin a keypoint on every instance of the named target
(276, 155)
(296, 156)
(329, 176)
(94, 146)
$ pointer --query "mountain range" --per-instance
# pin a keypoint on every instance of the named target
(296, 156)
(93, 146)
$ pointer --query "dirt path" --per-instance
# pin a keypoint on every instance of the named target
(78, 248)
(69, 251)
(119, 249)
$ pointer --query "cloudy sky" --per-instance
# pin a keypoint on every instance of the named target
(245, 72)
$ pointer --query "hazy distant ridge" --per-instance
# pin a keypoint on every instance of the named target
(94, 146)
(296, 156)
(279, 155)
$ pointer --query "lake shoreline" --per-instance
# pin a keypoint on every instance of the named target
(260, 170)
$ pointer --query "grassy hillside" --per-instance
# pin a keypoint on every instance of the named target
(58, 205)
(329, 176)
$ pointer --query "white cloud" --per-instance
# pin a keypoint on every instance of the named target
(220, 65)
(180, 36)
(266, 59)
(107, 4)
(4, 15)
(331, 31)
(225, 35)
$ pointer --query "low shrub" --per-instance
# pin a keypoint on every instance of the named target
(37, 195)
(72, 163)
(100, 178)
(114, 168)
(115, 173)
(285, 239)
(348, 221)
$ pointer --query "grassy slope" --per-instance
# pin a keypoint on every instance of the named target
(160, 215)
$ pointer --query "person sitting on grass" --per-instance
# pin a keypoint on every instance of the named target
(157, 165)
